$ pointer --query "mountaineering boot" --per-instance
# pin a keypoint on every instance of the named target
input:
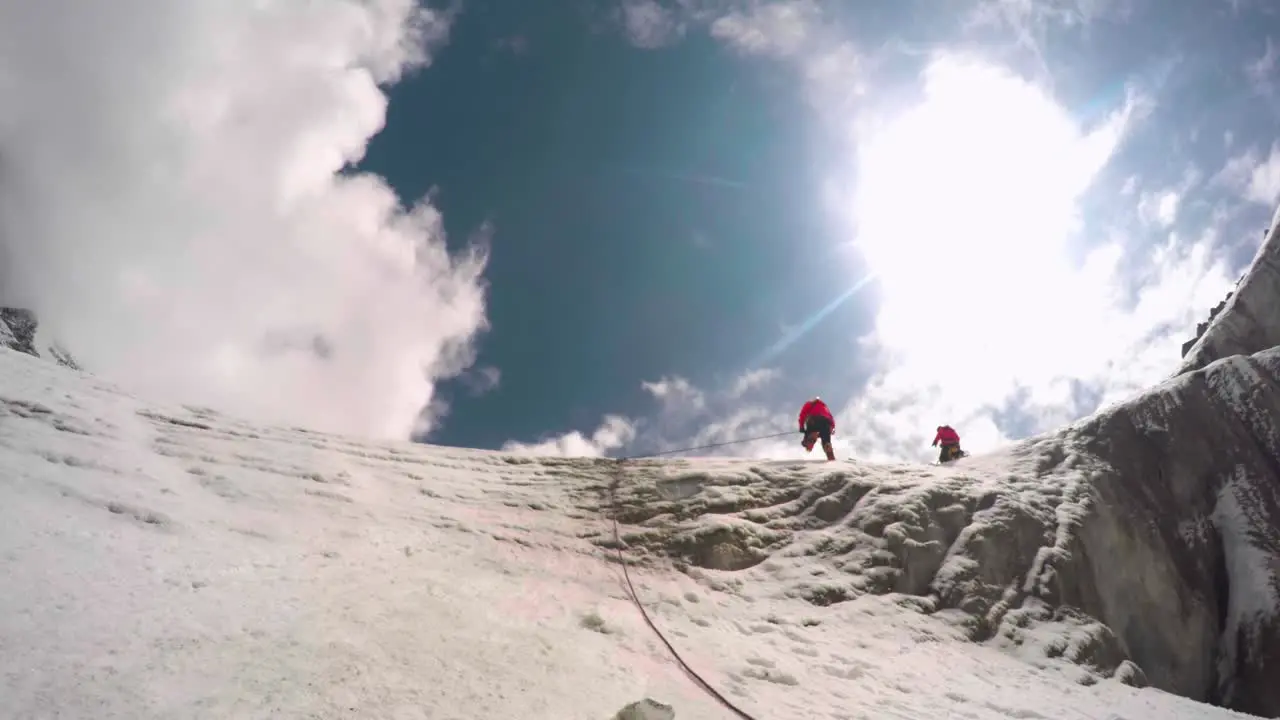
(808, 441)
(831, 453)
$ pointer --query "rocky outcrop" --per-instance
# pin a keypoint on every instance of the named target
(1142, 544)
(1249, 321)
(1182, 539)
(646, 710)
(18, 332)
(1201, 327)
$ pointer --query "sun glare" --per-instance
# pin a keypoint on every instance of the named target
(964, 206)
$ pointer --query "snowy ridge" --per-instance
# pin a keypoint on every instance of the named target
(1250, 320)
(174, 562)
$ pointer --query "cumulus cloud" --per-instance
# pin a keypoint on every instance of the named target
(614, 432)
(804, 35)
(676, 393)
(729, 419)
(173, 203)
(723, 420)
(1160, 208)
(1255, 178)
(780, 29)
(732, 419)
(753, 380)
(649, 24)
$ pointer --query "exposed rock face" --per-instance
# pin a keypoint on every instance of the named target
(646, 710)
(1249, 321)
(1191, 507)
(18, 332)
(1142, 544)
(1201, 327)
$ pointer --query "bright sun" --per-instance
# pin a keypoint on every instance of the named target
(964, 205)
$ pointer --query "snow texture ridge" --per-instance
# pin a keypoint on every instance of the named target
(1142, 544)
(166, 562)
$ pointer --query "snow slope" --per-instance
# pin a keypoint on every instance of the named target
(172, 562)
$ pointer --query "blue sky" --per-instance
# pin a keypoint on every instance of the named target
(619, 226)
(670, 190)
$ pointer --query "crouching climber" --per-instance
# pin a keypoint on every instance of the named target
(817, 422)
(950, 440)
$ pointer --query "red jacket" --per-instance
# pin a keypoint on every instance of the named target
(946, 436)
(819, 408)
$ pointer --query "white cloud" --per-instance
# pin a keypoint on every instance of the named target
(1160, 208)
(482, 379)
(650, 25)
(1264, 182)
(800, 32)
(1261, 71)
(615, 432)
(171, 205)
(676, 393)
(691, 417)
(1256, 179)
(753, 380)
(780, 29)
(1031, 18)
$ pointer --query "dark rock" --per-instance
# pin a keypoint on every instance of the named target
(18, 332)
(1248, 320)
(646, 710)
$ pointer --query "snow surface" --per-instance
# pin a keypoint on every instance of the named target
(171, 562)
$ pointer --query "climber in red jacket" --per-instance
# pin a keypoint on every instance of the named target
(816, 421)
(950, 440)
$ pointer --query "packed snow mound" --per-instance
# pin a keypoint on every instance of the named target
(168, 561)
(1142, 544)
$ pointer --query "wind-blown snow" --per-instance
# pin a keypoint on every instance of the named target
(165, 561)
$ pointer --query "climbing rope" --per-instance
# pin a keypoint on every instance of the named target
(739, 441)
(635, 599)
(618, 471)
